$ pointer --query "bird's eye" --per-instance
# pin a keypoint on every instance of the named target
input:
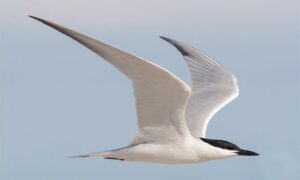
(228, 147)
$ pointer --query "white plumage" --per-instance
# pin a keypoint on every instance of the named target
(172, 117)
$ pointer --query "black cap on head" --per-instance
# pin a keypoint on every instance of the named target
(229, 146)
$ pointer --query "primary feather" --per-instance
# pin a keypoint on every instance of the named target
(212, 87)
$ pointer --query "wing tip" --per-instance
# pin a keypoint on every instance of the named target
(176, 45)
(53, 25)
(36, 18)
(164, 38)
(171, 41)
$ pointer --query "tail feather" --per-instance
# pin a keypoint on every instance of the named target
(111, 154)
(97, 154)
(80, 156)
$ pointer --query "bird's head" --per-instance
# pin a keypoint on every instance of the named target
(225, 145)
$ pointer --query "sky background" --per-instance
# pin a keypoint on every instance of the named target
(57, 99)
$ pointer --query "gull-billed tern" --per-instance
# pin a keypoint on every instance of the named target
(172, 117)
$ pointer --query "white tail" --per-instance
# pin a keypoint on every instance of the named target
(97, 154)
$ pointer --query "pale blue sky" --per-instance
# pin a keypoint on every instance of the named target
(58, 99)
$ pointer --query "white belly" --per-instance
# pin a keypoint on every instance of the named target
(175, 153)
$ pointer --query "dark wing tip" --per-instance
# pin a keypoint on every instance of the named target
(41, 20)
(45, 22)
(165, 38)
(36, 18)
(176, 44)
(53, 25)
(168, 40)
(114, 159)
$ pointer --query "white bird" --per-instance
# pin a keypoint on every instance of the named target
(172, 117)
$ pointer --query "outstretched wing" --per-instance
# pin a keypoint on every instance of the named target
(160, 96)
(212, 87)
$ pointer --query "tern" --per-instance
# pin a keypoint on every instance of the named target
(172, 117)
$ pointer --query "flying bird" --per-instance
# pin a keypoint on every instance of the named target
(172, 117)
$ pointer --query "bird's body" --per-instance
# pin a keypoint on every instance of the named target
(184, 151)
(172, 117)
